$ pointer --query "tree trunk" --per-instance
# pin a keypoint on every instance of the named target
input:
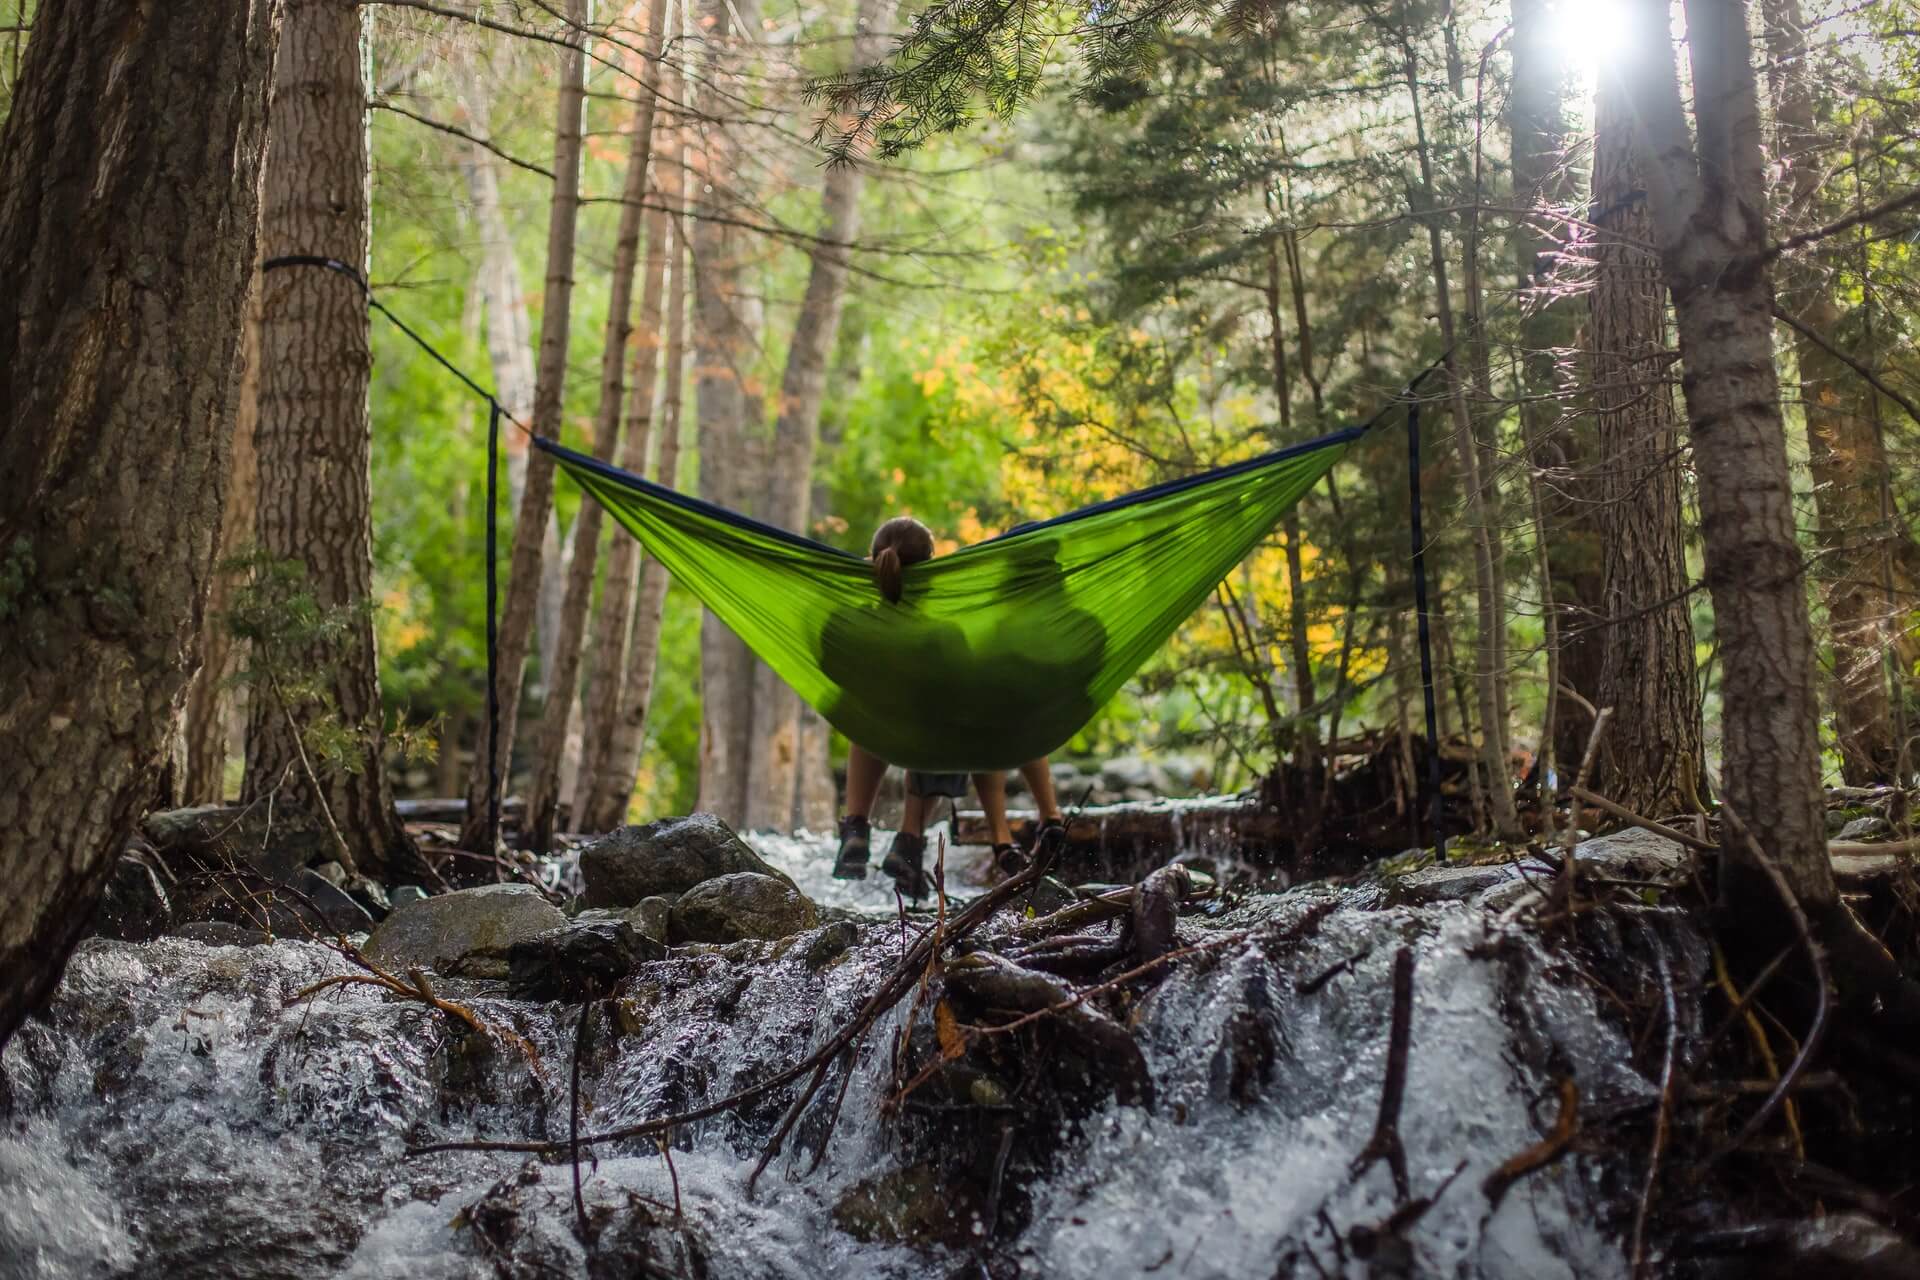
(510, 352)
(606, 807)
(314, 439)
(773, 745)
(1709, 215)
(613, 621)
(1489, 666)
(1653, 754)
(543, 798)
(724, 351)
(118, 367)
(213, 706)
(1844, 451)
(536, 503)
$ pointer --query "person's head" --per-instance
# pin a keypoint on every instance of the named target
(898, 543)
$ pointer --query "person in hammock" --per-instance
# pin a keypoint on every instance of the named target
(900, 542)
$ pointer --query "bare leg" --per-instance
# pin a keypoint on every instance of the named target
(1039, 776)
(913, 815)
(993, 798)
(864, 773)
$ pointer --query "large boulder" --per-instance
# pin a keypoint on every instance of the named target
(743, 905)
(583, 960)
(669, 856)
(470, 932)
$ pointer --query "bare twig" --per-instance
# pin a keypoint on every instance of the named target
(1569, 859)
(1385, 1141)
(1566, 1125)
(1628, 816)
(1820, 340)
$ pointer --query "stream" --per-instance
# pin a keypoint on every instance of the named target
(173, 1115)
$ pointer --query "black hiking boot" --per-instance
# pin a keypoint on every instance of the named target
(1051, 836)
(856, 841)
(906, 862)
(1009, 861)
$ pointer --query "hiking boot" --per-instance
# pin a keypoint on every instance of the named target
(906, 862)
(1009, 861)
(1051, 835)
(856, 841)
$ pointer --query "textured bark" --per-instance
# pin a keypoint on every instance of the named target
(543, 797)
(536, 502)
(1653, 759)
(773, 745)
(213, 706)
(1844, 450)
(724, 351)
(612, 788)
(510, 353)
(1490, 640)
(1707, 201)
(613, 620)
(132, 125)
(313, 438)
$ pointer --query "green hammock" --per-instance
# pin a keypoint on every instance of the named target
(997, 653)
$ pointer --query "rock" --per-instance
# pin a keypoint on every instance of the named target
(831, 943)
(1842, 1244)
(371, 895)
(652, 916)
(278, 841)
(470, 931)
(134, 906)
(219, 933)
(739, 906)
(336, 905)
(333, 873)
(668, 856)
(1867, 828)
(1047, 896)
(404, 895)
(915, 1205)
(578, 961)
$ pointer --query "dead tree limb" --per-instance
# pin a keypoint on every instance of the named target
(1385, 1142)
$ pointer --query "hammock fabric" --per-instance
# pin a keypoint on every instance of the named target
(997, 653)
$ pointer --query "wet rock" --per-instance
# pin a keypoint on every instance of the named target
(652, 917)
(333, 873)
(578, 961)
(405, 895)
(1047, 896)
(278, 840)
(371, 895)
(338, 907)
(470, 931)
(1106, 1050)
(1867, 828)
(740, 906)
(1847, 1245)
(134, 906)
(831, 943)
(668, 856)
(916, 1205)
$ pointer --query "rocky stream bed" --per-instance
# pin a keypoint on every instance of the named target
(1044, 1104)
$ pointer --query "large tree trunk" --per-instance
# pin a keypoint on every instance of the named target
(1708, 201)
(543, 800)
(774, 747)
(132, 125)
(1844, 451)
(314, 439)
(536, 502)
(213, 706)
(724, 352)
(1654, 761)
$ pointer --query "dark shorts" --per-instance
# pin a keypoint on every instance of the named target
(937, 784)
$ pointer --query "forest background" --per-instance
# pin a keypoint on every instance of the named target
(1198, 241)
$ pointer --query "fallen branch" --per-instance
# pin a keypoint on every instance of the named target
(1566, 1125)
(1628, 816)
(1385, 1142)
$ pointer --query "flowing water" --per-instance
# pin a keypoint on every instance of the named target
(173, 1115)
